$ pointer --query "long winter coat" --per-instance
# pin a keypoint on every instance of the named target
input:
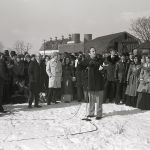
(79, 74)
(84, 75)
(26, 77)
(144, 85)
(3, 77)
(133, 79)
(67, 84)
(35, 71)
(3, 72)
(54, 71)
(18, 71)
(95, 77)
(110, 68)
(121, 71)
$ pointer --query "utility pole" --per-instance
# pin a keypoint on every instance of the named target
(44, 47)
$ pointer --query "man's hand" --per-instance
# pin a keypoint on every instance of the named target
(100, 68)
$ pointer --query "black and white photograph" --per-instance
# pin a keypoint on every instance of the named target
(74, 74)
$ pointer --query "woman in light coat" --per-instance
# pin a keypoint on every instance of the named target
(133, 82)
(54, 71)
(143, 101)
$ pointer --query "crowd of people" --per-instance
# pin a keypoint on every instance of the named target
(108, 78)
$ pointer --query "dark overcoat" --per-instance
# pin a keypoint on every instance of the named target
(3, 78)
(43, 76)
(67, 74)
(26, 77)
(95, 77)
(121, 71)
(110, 68)
(35, 71)
(84, 75)
(78, 74)
(18, 71)
(3, 72)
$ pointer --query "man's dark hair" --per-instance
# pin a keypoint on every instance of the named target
(90, 49)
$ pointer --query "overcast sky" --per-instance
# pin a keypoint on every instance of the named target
(35, 20)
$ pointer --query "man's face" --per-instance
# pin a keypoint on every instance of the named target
(14, 58)
(18, 59)
(135, 60)
(131, 56)
(55, 57)
(58, 57)
(38, 57)
(92, 53)
(67, 60)
(135, 52)
(32, 58)
(112, 52)
(47, 59)
(28, 59)
(22, 58)
(123, 58)
(147, 59)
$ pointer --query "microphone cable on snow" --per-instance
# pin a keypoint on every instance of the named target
(57, 136)
(61, 135)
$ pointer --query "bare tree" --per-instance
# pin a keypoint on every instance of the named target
(21, 47)
(141, 28)
(28, 47)
(1, 46)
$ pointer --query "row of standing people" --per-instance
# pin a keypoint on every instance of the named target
(59, 75)
(88, 79)
(15, 80)
(21, 73)
(126, 80)
(13, 74)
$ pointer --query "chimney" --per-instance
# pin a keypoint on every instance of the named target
(69, 37)
(76, 38)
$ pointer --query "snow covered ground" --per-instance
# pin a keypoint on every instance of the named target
(59, 127)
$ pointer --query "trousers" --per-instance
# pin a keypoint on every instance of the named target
(52, 95)
(95, 96)
(33, 95)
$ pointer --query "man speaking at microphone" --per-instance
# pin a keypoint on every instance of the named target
(95, 84)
